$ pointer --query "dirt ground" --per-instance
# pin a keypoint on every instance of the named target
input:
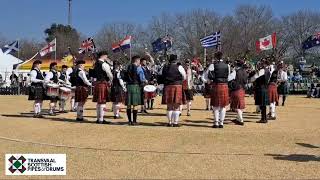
(285, 148)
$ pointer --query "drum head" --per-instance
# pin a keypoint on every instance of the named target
(53, 85)
(150, 88)
(64, 89)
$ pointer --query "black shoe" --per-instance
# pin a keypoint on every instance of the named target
(135, 124)
(130, 123)
(176, 125)
(207, 109)
(145, 111)
(134, 115)
(52, 114)
(151, 108)
(215, 126)
(79, 119)
(220, 126)
(105, 122)
(272, 118)
(238, 122)
(35, 116)
(115, 117)
(282, 104)
(262, 121)
(169, 125)
(188, 114)
(40, 116)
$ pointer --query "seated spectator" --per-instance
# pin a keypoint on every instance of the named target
(297, 77)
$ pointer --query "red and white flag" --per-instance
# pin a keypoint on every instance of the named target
(50, 47)
(86, 46)
(267, 42)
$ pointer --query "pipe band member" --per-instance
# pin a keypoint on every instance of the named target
(37, 91)
(118, 90)
(82, 90)
(103, 77)
(52, 77)
(173, 75)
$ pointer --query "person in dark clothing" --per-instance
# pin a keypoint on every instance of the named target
(134, 78)
(118, 90)
(261, 79)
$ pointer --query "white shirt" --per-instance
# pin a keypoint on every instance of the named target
(257, 75)
(232, 75)
(121, 81)
(283, 76)
(182, 72)
(33, 77)
(83, 76)
(49, 75)
(189, 78)
(106, 68)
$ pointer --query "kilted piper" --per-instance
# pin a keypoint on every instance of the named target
(273, 94)
(261, 79)
(103, 76)
(118, 90)
(218, 73)
(82, 91)
(134, 77)
(36, 91)
(237, 88)
(52, 77)
(173, 75)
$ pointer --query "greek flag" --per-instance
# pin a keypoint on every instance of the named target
(211, 40)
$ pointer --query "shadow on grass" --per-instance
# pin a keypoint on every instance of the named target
(295, 157)
(308, 145)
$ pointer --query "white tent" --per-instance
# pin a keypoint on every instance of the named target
(6, 66)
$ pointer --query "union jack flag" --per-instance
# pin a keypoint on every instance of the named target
(86, 46)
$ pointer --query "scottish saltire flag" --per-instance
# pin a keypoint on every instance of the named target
(87, 45)
(311, 41)
(123, 44)
(212, 40)
(161, 44)
(9, 48)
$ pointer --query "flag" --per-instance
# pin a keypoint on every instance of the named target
(311, 41)
(212, 40)
(162, 44)
(13, 47)
(123, 44)
(87, 45)
(50, 47)
(266, 43)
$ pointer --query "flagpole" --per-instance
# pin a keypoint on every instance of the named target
(55, 52)
(205, 49)
(18, 49)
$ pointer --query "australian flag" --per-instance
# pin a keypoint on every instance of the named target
(10, 48)
(161, 44)
(311, 41)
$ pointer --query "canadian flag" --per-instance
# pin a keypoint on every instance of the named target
(49, 48)
(267, 42)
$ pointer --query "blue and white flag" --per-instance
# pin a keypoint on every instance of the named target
(211, 40)
(13, 47)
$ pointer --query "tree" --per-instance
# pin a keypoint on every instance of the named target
(28, 48)
(66, 37)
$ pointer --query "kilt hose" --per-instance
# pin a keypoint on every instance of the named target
(81, 94)
(37, 92)
(101, 92)
(207, 90)
(133, 95)
(172, 94)
(220, 95)
(237, 99)
(261, 97)
(273, 93)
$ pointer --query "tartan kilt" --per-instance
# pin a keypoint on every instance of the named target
(101, 92)
(220, 95)
(237, 99)
(150, 95)
(81, 94)
(133, 95)
(283, 89)
(37, 92)
(172, 94)
(261, 97)
(273, 93)
(207, 90)
(117, 94)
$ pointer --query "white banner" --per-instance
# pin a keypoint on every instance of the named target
(35, 164)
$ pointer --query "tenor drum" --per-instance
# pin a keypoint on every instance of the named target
(64, 93)
(149, 88)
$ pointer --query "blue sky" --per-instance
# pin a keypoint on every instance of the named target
(29, 18)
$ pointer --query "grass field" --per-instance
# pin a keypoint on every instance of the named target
(285, 148)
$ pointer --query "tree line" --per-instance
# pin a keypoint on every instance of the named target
(239, 32)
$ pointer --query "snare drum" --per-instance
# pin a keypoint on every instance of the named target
(52, 90)
(64, 93)
(149, 88)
